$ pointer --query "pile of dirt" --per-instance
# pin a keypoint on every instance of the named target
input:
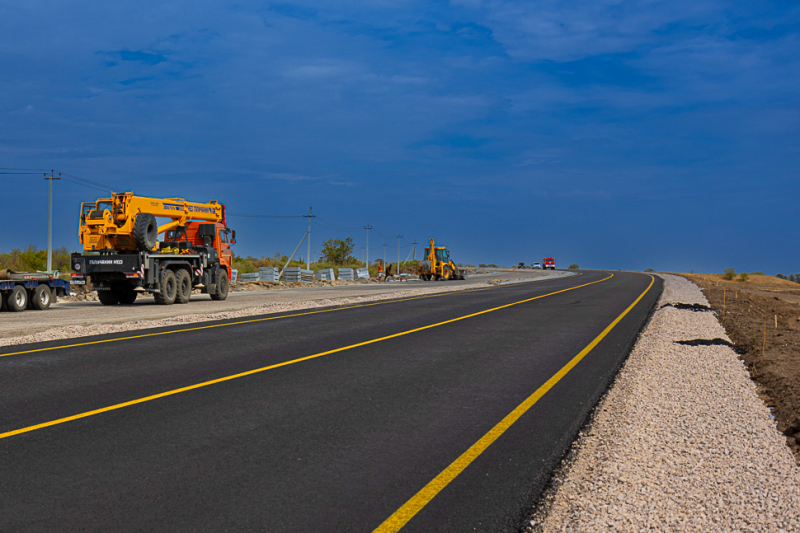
(749, 309)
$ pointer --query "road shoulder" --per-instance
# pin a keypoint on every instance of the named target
(681, 440)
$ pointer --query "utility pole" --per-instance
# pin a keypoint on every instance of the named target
(366, 256)
(398, 253)
(309, 216)
(50, 218)
(415, 249)
(362, 254)
(384, 257)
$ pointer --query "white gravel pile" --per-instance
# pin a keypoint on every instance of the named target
(681, 441)
(69, 332)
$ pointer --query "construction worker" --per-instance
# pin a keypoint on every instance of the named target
(380, 272)
(388, 272)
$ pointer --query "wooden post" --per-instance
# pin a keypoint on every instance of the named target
(764, 342)
(776, 321)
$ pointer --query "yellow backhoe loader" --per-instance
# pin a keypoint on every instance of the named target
(437, 265)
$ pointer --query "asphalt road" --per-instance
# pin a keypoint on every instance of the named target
(385, 399)
(66, 313)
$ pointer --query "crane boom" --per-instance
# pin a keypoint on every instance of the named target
(110, 223)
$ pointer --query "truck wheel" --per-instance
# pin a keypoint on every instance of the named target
(126, 295)
(145, 232)
(169, 289)
(41, 297)
(446, 273)
(184, 284)
(53, 295)
(4, 301)
(17, 299)
(108, 297)
(222, 286)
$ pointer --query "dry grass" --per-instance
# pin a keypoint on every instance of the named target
(755, 281)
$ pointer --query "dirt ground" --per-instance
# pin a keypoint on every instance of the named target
(745, 308)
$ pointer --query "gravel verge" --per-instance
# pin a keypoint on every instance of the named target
(680, 442)
(70, 332)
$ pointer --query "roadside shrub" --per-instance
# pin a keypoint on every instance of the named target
(573, 266)
(31, 259)
(792, 277)
(781, 276)
(649, 270)
(757, 273)
(743, 276)
(730, 273)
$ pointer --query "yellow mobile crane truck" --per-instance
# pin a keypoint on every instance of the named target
(437, 264)
(122, 255)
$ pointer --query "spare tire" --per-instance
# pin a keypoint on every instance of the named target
(145, 232)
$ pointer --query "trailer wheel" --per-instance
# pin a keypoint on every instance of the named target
(145, 232)
(222, 286)
(108, 297)
(169, 289)
(126, 295)
(53, 295)
(184, 285)
(17, 299)
(3, 301)
(41, 297)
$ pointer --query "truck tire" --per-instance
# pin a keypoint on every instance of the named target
(41, 297)
(145, 232)
(184, 285)
(53, 295)
(222, 286)
(126, 295)
(4, 301)
(168, 289)
(17, 299)
(446, 274)
(108, 297)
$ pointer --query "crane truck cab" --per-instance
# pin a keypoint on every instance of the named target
(123, 257)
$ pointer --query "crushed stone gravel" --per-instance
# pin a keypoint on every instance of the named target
(70, 332)
(680, 442)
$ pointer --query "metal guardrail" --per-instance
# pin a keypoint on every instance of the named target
(297, 275)
(249, 277)
(326, 274)
(234, 275)
(346, 274)
(362, 273)
(268, 274)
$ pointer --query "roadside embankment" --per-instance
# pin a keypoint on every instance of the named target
(680, 442)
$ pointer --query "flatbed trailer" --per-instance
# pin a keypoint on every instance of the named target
(30, 290)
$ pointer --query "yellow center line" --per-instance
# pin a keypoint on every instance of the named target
(114, 407)
(184, 330)
(400, 517)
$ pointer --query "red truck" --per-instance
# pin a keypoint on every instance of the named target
(548, 262)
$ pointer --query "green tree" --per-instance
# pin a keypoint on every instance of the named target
(338, 251)
(743, 276)
(730, 273)
(573, 266)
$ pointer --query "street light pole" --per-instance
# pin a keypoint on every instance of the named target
(50, 218)
(366, 255)
(398, 253)
(309, 216)
(415, 249)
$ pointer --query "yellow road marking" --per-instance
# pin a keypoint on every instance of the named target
(449, 293)
(270, 367)
(400, 517)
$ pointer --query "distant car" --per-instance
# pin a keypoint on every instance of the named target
(521, 265)
(537, 265)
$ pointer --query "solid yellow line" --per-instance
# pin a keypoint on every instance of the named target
(448, 293)
(264, 369)
(400, 517)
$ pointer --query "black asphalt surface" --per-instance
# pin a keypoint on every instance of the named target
(334, 443)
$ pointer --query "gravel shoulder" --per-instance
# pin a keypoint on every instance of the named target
(73, 319)
(680, 442)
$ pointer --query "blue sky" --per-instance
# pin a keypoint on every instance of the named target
(612, 134)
